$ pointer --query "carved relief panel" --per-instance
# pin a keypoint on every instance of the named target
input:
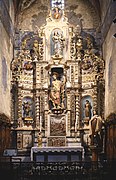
(58, 125)
(56, 141)
(27, 140)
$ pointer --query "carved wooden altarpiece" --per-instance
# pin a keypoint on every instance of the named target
(56, 70)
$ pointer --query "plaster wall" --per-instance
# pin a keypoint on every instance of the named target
(104, 8)
(108, 29)
(6, 55)
(35, 15)
(109, 54)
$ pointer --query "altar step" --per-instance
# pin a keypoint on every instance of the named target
(21, 159)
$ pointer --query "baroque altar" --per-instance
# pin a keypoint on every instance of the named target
(57, 82)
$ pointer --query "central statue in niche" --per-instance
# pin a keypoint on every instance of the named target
(57, 90)
(58, 42)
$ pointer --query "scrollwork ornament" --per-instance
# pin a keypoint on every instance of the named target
(87, 61)
(72, 49)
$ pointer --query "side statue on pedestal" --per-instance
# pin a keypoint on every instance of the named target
(95, 127)
(27, 109)
(88, 108)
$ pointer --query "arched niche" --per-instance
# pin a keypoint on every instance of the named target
(27, 108)
(56, 41)
(57, 91)
(86, 108)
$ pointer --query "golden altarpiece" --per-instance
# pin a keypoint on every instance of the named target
(57, 82)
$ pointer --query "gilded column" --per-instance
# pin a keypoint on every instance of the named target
(77, 122)
(37, 96)
(34, 92)
(45, 110)
(19, 106)
(68, 111)
(78, 82)
(95, 96)
(72, 110)
(37, 110)
(42, 108)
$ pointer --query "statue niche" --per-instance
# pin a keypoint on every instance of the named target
(27, 108)
(57, 43)
(57, 89)
(86, 109)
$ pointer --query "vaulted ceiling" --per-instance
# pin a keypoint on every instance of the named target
(26, 3)
(32, 13)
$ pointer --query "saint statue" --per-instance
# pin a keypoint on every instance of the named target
(56, 91)
(27, 109)
(88, 108)
(95, 127)
(57, 13)
(58, 43)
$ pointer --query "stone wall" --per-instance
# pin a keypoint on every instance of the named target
(109, 55)
(6, 54)
(104, 7)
